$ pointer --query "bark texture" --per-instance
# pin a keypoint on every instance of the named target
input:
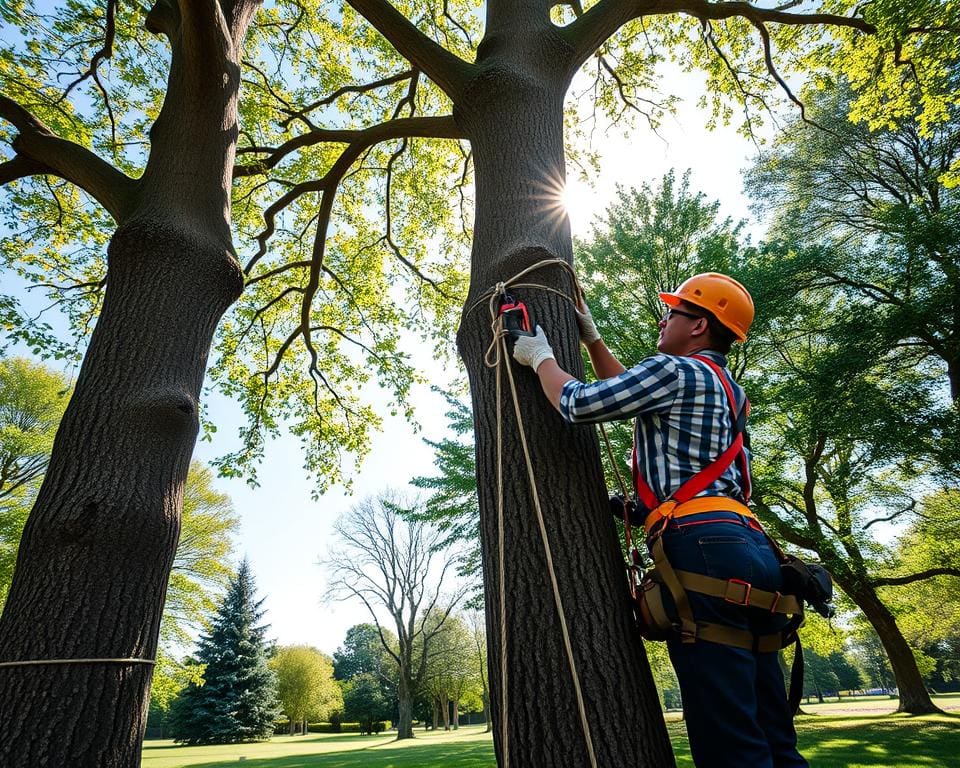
(98, 546)
(512, 111)
(914, 697)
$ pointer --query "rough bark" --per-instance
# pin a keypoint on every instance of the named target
(96, 552)
(405, 694)
(512, 113)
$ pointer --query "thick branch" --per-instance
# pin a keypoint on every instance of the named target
(891, 581)
(448, 71)
(49, 153)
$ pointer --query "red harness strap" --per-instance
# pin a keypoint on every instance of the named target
(709, 474)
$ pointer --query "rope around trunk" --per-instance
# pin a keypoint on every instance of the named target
(497, 357)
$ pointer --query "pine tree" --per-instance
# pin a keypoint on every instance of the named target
(237, 699)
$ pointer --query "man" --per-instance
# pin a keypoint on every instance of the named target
(689, 433)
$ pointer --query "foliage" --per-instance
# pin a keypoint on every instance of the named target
(878, 225)
(362, 651)
(929, 610)
(237, 700)
(32, 400)
(364, 701)
(305, 684)
(298, 349)
(201, 566)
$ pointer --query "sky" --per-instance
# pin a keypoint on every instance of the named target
(284, 533)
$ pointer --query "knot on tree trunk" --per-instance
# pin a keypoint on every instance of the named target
(163, 409)
(181, 249)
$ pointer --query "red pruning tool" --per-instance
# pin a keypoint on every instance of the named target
(516, 318)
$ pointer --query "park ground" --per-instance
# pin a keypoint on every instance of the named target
(852, 733)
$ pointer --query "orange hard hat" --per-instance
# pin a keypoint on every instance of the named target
(722, 296)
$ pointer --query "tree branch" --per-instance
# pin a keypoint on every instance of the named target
(358, 140)
(448, 71)
(37, 144)
(891, 581)
(587, 33)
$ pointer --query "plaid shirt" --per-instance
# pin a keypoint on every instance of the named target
(683, 419)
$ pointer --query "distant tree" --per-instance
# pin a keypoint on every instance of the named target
(452, 504)
(849, 677)
(364, 702)
(393, 564)
(818, 675)
(32, 400)
(237, 700)
(305, 685)
(871, 657)
(884, 202)
(929, 610)
(450, 674)
(363, 652)
(478, 632)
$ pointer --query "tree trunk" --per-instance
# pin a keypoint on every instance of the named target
(96, 552)
(513, 115)
(95, 557)
(455, 714)
(292, 730)
(445, 711)
(405, 697)
(914, 697)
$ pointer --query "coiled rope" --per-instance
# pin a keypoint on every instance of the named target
(497, 357)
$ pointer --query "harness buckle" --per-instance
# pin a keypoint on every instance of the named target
(746, 592)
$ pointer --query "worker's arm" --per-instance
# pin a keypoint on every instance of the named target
(552, 378)
(604, 362)
(651, 385)
(536, 352)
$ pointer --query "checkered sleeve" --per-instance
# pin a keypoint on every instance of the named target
(652, 385)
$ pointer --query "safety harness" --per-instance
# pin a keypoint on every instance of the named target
(655, 622)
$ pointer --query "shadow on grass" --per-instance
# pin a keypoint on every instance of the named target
(420, 756)
(887, 742)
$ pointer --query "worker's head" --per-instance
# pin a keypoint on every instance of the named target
(707, 311)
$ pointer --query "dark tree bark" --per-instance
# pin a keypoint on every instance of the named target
(512, 112)
(96, 552)
(914, 697)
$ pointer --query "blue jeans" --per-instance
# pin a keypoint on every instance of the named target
(734, 700)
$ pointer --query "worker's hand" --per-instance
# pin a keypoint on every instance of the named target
(532, 350)
(588, 330)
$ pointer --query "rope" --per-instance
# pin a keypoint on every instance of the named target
(39, 662)
(495, 355)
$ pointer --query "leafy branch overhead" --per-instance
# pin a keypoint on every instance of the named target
(351, 195)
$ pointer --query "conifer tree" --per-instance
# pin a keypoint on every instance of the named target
(237, 700)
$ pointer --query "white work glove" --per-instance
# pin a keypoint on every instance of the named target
(532, 350)
(588, 330)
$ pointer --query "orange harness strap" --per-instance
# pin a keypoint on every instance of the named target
(695, 506)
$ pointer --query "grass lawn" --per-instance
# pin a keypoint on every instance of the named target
(861, 733)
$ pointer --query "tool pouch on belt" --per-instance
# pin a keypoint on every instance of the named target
(809, 581)
(652, 618)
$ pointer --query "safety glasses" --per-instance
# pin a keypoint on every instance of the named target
(671, 312)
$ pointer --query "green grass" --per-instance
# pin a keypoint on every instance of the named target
(861, 733)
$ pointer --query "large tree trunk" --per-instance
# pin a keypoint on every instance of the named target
(96, 552)
(513, 115)
(405, 695)
(914, 697)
